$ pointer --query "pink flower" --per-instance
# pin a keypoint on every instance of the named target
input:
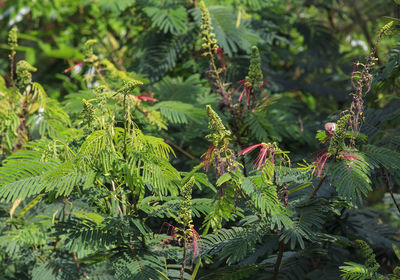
(248, 90)
(147, 97)
(72, 67)
(323, 156)
(349, 156)
(221, 56)
(267, 152)
(206, 159)
(195, 242)
(320, 162)
(192, 241)
(171, 230)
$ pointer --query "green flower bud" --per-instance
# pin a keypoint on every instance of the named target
(218, 131)
(90, 57)
(24, 76)
(255, 76)
(210, 42)
(337, 143)
(13, 37)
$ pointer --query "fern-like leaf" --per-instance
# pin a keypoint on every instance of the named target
(351, 178)
(265, 199)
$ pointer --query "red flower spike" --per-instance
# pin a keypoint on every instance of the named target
(262, 156)
(266, 153)
(247, 90)
(195, 239)
(221, 56)
(248, 97)
(147, 97)
(73, 66)
(349, 156)
(166, 240)
(170, 227)
(322, 157)
(191, 242)
(249, 149)
(206, 159)
(172, 230)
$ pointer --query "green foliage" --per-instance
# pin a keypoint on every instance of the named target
(24, 174)
(265, 200)
(231, 38)
(358, 271)
(310, 220)
(143, 268)
(179, 112)
(351, 178)
(234, 244)
(173, 19)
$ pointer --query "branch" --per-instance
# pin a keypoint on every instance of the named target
(278, 262)
(189, 155)
(394, 199)
(364, 27)
(318, 187)
(386, 176)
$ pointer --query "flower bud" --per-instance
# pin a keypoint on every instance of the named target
(330, 128)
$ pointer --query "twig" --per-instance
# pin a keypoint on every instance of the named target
(386, 176)
(116, 199)
(125, 126)
(318, 187)
(169, 142)
(394, 199)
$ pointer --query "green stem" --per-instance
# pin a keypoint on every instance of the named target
(196, 269)
(182, 274)
(125, 120)
(12, 55)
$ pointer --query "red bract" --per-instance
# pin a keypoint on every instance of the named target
(349, 156)
(267, 152)
(195, 242)
(72, 67)
(321, 160)
(221, 56)
(172, 230)
(147, 97)
(323, 156)
(192, 241)
(206, 159)
(248, 90)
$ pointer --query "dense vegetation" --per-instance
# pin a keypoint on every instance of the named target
(225, 139)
